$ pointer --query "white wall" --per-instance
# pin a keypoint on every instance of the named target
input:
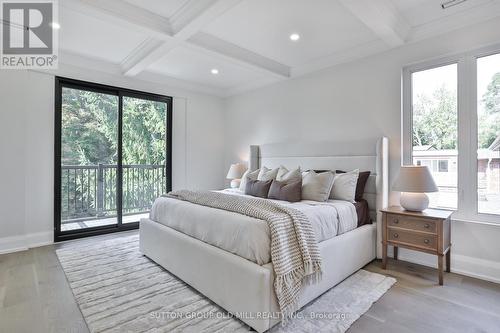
(359, 99)
(27, 147)
(355, 100)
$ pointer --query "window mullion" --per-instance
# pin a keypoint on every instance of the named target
(467, 132)
(406, 119)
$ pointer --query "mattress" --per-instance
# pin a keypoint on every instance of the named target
(245, 236)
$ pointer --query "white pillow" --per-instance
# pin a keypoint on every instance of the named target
(344, 186)
(267, 174)
(248, 175)
(288, 176)
(317, 186)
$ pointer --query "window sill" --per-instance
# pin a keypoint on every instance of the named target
(484, 219)
(473, 221)
(443, 208)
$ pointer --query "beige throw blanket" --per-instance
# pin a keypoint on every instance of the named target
(294, 250)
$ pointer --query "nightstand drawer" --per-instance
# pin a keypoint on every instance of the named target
(412, 238)
(411, 223)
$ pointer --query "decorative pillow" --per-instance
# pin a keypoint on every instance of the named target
(258, 188)
(360, 185)
(363, 212)
(267, 174)
(317, 186)
(344, 186)
(288, 176)
(286, 191)
(248, 175)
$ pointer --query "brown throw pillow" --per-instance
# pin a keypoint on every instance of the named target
(360, 185)
(258, 188)
(291, 192)
(363, 212)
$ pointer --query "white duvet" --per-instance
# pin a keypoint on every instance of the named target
(246, 236)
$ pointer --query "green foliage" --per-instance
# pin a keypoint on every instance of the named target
(143, 132)
(489, 117)
(89, 133)
(435, 119)
(90, 129)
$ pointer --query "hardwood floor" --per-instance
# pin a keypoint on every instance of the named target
(35, 297)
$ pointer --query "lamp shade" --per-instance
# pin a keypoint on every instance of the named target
(236, 171)
(417, 179)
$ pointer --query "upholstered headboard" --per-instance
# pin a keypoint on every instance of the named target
(366, 155)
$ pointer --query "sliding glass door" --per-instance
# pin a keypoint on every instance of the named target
(89, 159)
(112, 157)
(144, 155)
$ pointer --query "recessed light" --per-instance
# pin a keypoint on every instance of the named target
(214, 71)
(294, 37)
(55, 25)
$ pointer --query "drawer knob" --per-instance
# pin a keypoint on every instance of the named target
(396, 221)
(427, 226)
(426, 241)
(396, 235)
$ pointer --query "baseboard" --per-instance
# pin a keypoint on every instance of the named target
(25, 242)
(469, 266)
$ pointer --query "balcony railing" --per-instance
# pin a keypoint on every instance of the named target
(90, 191)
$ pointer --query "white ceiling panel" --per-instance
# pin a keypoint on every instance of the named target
(165, 8)
(264, 27)
(96, 38)
(247, 40)
(420, 12)
(191, 65)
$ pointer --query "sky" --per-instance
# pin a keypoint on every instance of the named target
(486, 68)
(426, 82)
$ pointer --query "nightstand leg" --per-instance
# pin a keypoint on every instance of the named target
(448, 261)
(384, 256)
(440, 268)
(395, 249)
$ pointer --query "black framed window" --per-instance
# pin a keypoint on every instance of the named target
(113, 157)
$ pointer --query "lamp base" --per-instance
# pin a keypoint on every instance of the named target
(235, 183)
(415, 202)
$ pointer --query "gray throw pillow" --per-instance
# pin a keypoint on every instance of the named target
(248, 175)
(285, 191)
(284, 175)
(344, 186)
(317, 186)
(267, 174)
(258, 188)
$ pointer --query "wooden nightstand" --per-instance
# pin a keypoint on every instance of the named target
(428, 231)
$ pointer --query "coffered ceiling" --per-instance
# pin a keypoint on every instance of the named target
(247, 42)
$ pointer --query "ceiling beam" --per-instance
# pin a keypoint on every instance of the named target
(243, 57)
(124, 14)
(76, 65)
(186, 22)
(145, 54)
(183, 28)
(382, 17)
(193, 16)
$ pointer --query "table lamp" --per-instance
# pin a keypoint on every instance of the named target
(413, 182)
(235, 173)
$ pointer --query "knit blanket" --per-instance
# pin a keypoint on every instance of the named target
(294, 250)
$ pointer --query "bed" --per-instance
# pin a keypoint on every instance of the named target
(243, 284)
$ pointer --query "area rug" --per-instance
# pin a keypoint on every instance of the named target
(120, 290)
